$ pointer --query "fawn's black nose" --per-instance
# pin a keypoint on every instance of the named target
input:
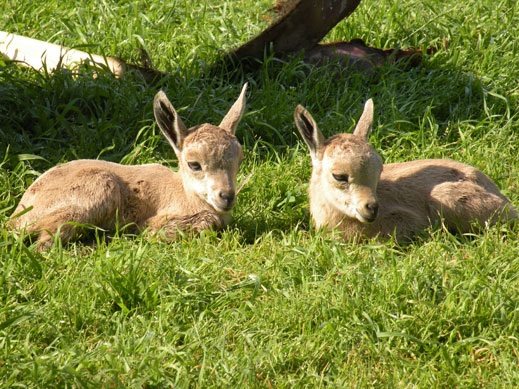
(371, 211)
(228, 197)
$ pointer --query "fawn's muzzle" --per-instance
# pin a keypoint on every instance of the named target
(369, 211)
(226, 199)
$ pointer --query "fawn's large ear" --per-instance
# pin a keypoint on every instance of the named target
(169, 122)
(363, 128)
(308, 129)
(233, 116)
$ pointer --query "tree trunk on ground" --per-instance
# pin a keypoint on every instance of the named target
(303, 25)
(301, 28)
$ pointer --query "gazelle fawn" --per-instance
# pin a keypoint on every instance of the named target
(353, 191)
(199, 196)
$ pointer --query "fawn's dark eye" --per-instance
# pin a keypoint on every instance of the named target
(341, 177)
(195, 166)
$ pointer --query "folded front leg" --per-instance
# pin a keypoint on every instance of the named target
(169, 227)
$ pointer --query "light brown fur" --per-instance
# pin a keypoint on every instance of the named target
(352, 191)
(105, 194)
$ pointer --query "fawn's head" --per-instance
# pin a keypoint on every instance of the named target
(209, 156)
(346, 168)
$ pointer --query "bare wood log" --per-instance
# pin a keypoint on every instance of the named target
(47, 56)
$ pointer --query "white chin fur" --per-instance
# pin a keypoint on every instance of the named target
(361, 219)
(217, 207)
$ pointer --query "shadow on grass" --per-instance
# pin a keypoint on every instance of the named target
(335, 93)
(68, 115)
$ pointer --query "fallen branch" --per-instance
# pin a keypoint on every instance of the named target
(45, 56)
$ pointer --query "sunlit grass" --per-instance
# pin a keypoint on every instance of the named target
(269, 302)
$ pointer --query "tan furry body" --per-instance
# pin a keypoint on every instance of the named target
(105, 194)
(353, 192)
(415, 195)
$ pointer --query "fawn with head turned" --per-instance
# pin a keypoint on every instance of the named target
(105, 194)
(353, 191)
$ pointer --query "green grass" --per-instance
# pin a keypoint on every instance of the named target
(269, 302)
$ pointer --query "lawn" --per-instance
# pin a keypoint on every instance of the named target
(268, 302)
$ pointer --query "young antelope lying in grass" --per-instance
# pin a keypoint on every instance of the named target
(105, 194)
(352, 191)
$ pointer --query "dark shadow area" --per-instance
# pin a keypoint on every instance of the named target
(67, 115)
